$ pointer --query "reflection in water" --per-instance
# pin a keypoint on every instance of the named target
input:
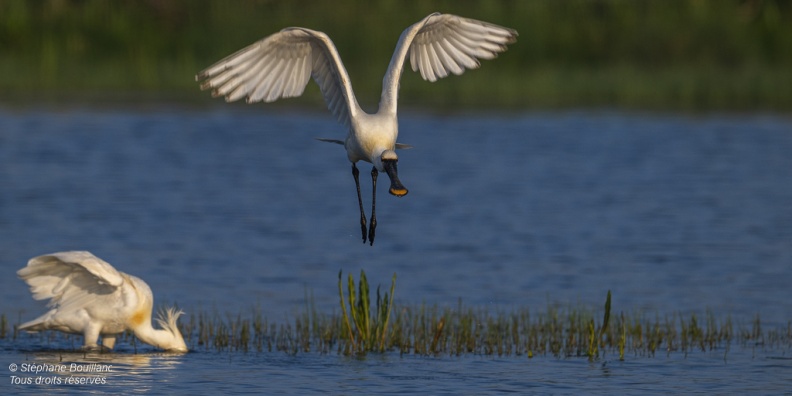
(138, 373)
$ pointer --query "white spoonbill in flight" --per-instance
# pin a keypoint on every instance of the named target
(280, 65)
(90, 297)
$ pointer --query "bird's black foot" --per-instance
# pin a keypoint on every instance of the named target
(372, 229)
(95, 348)
(363, 226)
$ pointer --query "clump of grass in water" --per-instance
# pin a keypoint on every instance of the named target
(365, 333)
(459, 330)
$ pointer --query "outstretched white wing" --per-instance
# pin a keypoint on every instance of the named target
(68, 278)
(279, 66)
(441, 44)
(448, 43)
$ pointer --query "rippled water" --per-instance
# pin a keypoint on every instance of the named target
(196, 373)
(229, 209)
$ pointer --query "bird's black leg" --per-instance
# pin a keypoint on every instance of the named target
(355, 174)
(373, 225)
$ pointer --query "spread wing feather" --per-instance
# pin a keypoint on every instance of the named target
(69, 279)
(279, 66)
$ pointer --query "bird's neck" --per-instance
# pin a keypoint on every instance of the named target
(160, 338)
(389, 97)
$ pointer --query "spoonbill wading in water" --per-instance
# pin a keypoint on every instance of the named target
(279, 66)
(90, 297)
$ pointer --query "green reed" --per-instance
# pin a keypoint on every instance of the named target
(365, 333)
(595, 335)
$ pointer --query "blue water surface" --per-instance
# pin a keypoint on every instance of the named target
(229, 209)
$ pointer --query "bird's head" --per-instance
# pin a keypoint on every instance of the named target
(168, 319)
(388, 160)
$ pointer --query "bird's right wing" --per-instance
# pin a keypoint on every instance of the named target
(69, 277)
(450, 44)
(336, 141)
(441, 44)
(279, 66)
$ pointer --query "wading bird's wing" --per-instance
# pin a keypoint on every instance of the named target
(70, 278)
(441, 44)
(279, 66)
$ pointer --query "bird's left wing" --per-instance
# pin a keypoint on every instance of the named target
(66, 276)
(279, 66)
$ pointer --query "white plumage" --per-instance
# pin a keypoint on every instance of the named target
(279, 66)
(88, 296)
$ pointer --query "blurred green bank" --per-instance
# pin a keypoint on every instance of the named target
(724, 55)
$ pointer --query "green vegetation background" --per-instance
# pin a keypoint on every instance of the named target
(643, 54)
